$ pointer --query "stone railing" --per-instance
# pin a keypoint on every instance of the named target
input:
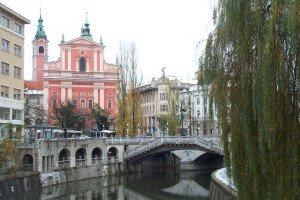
(203, 142)
(129, 140)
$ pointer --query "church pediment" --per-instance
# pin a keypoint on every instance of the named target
(82, 41)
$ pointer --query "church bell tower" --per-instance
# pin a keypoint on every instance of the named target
(40, 51)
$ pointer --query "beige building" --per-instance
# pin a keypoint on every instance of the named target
(155, 102)
(12, 70)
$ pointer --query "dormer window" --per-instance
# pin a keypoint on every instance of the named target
(82, 64)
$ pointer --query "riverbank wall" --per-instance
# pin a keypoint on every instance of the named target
(218, 190)
(18, 184)
(65, 175)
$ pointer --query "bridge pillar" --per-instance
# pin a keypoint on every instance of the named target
(72, 155)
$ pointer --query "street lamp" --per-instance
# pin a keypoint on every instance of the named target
(138, 129)
(167, 128)
(127, 130)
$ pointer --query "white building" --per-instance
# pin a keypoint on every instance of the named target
(155, 102)
(195, 101)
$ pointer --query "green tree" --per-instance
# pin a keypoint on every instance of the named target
(251, 61)
(8, 148)
(67, 116)
(173, 106)
(163, 120)
(101, 117)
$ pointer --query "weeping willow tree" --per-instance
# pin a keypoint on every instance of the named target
(251, 61)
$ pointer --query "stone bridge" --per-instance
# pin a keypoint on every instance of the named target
(55, 153)
(163, 144)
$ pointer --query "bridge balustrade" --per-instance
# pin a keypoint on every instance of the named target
(204, 142)
(80, 162)
(113, 159)
(64, 163)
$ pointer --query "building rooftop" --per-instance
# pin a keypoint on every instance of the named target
(7, 9)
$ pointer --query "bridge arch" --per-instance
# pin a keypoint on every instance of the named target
(80, 157)
(96, 155)
(27, 159)
(112, 152)
(64, 158)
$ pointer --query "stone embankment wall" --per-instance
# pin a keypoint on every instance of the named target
(18, 185)
(65, 175)
(217, 190)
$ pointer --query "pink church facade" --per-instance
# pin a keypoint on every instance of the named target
(80, 76)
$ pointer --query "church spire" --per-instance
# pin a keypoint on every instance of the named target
(63, 38)
(40, 33)
(85, 31)
(101, 42)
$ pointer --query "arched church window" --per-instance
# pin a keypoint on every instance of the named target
(41, 49)
(82, 64)
(82, 104)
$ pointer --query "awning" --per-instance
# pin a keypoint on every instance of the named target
(16, 122)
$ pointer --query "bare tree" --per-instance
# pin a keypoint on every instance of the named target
(129, 98)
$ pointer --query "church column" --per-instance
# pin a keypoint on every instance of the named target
(63, 94)
(77, 63)
(69, 59)
(70, 94)
(95, 60)
(47, 101)
(102, 98)
(96, 95)
(63, 59)
(87, 64)
(101, 61)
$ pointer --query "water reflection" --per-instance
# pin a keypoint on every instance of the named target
(154, 184)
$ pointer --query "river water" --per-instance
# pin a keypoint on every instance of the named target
(155, 184)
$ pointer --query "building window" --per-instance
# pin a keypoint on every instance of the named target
(4, 113)
(198, 114)
(18, 28)
(198, 100)
(5, 45)
(82, 104)
(17, 50)
(41, 49)
(90, 103)
(109, 104)
(75, 103)
(163, 108)
(54, 102)
(16, 114)
(162, 96)
(82, 64)
(17, 72)
(153, 97)
(4, 91)
(17, 94)
(4, 68)
(38, 101)
(5, 21)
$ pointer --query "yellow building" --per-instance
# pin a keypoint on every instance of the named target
(12, 71)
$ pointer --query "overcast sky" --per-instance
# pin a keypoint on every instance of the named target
(166, 32)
